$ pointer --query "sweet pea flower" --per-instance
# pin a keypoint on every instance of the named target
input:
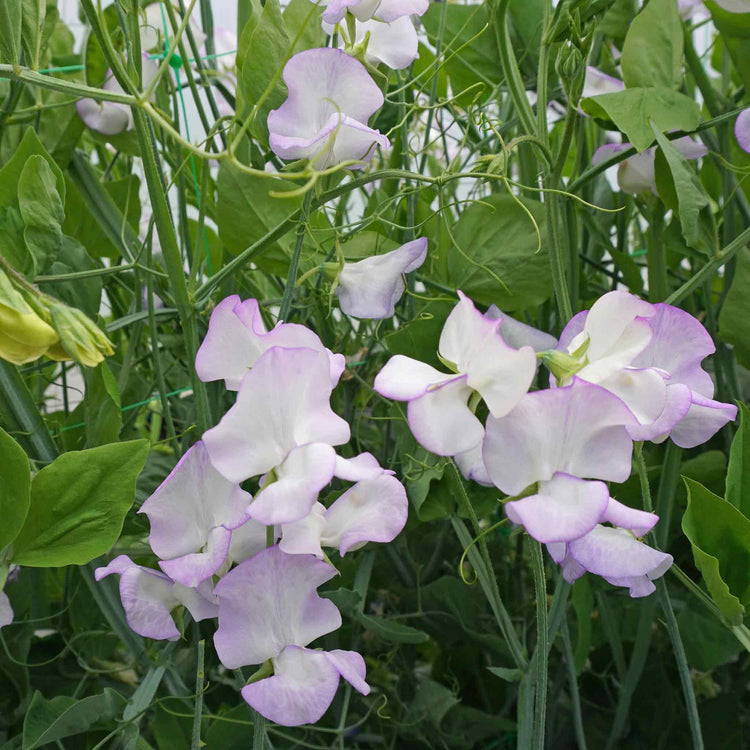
(655, 342)
(734, 6)
(363, 10)
(192, 514)
(6, 611)
(237, 336)
(395, 44)
(596, 82)
(324, 119)
(742, 130)
(373, 510)
(370, 288)
(281, 426)
(603, 345)
(112, 118)
(438, 409)
(615, 555)
(269, 610)
(149, 596)
(636, 174)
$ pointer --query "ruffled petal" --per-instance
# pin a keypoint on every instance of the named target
(637, 174)
(191, 502)
(596, 83)
(616, 555)
(300, 691)
(565, 508)
(323, 82)
(283, 402)
(269, 602)
(703, 420)
(403, 378)
(107, 118)
(441, 420)
(580, 429)
(676, 407)
(299, 479)
(303, 537)
(644, 392)
(390, 10)
(395, 44)
(363, 466)
(472, 466)
(639, 522)
(371, 287)
(518, 334)
(351, 666)
(192, 569)
(374, 510)
(247, 540)
(742, 130)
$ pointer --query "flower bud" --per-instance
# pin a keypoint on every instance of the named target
(571, 67)
(24, 335)
(80, 339)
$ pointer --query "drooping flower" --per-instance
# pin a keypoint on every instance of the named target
(363, 10)
(636, 345)
(395, 44)
(615, 555)
(149, 596)
(269, 610)
(438, 412)
(370, 288)
(192, 514)
(6, 611)
(636, 174)
(237, 336)
(742, 130)
(112, 118)
(282, 427)
(324, 119)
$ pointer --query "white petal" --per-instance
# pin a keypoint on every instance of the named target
(403, 378)
(303, 537)
(6, 611)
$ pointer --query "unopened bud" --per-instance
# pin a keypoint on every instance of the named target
(80, 338)
(571, 68)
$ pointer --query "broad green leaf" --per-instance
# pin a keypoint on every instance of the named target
(48, 721)
(263, 49)
(735, 311)
(301, 15)
(419, 337)
(10, 31)
(496, 258)
(652, 53)
(12, 244)
(15, 488)
(78, 505)
(507, 674)
(738, 471)
(41, 208)
(11, 171)
(682, 191)
(101, 407)
(720, 537)
(390, 630)
(631, 110)
(708, 643)
(84, 293)
(735, 34)
(246, 211)
(617, 19)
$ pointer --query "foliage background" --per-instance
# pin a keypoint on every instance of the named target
(153, 227)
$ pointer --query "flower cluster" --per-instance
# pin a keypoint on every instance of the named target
(622, 372)
(255, 561)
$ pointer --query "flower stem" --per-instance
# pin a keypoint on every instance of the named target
(542, 649)
(291, 281)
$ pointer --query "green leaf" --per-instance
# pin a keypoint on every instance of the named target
(11, 171)
(389, 630)
(682, 191)
(101, 407)
(32, 25)
(301, 15)
(12, 245)
(652, 53)
(734, 29)
(506, 674)
(496, 256)
(78, 505)
(738, 471)
(15, 489)
(246, 211)
(48, 721)
(42, 211)
(10, 31)
(735, 311)
(262, 53)
(720, 537)
(631, 110)
(617, 19)
(708, 643)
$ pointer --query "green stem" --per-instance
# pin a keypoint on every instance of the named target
(259, 731)
(575, 697)
(291, 280)
(658, 282)
(541, 656)
(196, 742)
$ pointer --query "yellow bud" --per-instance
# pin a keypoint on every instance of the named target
(24, 336)
(80, 339)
